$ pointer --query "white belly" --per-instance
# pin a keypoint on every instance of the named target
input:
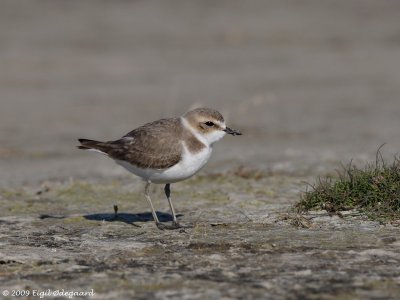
(189, 165)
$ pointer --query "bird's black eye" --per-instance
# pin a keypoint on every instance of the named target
(209, 123)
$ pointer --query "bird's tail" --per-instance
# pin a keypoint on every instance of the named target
(89, 144)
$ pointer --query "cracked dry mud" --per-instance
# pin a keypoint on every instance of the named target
(242, 241)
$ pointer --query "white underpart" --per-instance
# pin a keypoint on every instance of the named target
(189, 165)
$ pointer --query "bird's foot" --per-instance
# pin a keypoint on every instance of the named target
(173, 226)
(161, 226)
(176, 225)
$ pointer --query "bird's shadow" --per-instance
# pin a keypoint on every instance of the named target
(130, 218)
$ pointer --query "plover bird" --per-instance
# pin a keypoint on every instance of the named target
(166, 151)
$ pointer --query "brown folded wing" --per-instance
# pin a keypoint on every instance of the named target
(154, 145)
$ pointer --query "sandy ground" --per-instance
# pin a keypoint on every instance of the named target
(310, 83)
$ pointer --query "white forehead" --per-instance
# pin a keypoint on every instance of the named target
(221, 124)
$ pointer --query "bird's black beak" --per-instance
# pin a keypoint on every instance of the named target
(232, 131)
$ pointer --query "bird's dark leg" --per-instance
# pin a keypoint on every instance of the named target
(175, 224)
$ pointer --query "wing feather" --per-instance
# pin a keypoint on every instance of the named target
(150, 146)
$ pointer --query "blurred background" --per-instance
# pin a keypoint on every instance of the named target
(309, 82)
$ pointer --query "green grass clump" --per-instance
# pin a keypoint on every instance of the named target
(373, 190)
